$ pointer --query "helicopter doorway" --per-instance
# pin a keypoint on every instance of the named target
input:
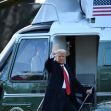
(82, 55)
(70, 60)
(82, 59)
(67, 43)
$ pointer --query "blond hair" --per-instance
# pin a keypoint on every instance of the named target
(61, 51)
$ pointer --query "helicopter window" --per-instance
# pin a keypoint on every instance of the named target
(107, 56)
(4, 68)
(30, 60)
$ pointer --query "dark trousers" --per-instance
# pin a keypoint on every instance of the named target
(68, 105)
(58, 102)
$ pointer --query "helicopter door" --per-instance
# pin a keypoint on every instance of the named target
(104, 67)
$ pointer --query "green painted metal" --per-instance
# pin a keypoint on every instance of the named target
(104, 106)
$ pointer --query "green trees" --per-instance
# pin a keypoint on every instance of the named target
(14, 15)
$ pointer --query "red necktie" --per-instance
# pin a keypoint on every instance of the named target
(68, 90)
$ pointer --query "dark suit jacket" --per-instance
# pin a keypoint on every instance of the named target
(54, 99)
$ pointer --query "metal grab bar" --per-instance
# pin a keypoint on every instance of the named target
(84, 101)
(39, 107)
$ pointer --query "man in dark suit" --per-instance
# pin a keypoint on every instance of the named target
(60, 93)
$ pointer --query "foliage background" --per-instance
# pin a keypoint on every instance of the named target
(14, 15)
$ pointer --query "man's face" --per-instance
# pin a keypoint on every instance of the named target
(60, 58)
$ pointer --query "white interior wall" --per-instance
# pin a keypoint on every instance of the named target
(86, 57)
(60, 41)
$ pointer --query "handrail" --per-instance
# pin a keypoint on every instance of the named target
(84, 101)
(40, 105)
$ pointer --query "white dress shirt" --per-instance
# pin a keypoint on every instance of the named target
(64, 84)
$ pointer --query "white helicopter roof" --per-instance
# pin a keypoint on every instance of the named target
(52, 10)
